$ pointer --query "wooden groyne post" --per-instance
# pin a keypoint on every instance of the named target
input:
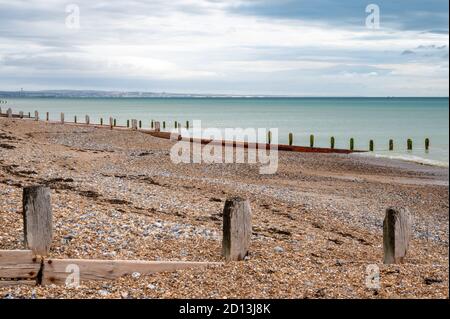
(36, 115)
(371, 145)
(87, 120)
(47, 116)
(427, 144)
(311, 140)
(237, 228)
(9, 113)
(291, 139)
(62, 118)
(352, 144)
(409, 144)
(134, 124)
(37, 219)
(111, 123)
(157, 127)
(397, 229)
(391, 145)
(332, 142)
(21, 114)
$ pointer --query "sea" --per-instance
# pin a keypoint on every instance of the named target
(363, 119)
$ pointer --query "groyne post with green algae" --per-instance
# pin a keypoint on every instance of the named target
(291, 139)
(311, 140)
(409, 144)
(332, 142)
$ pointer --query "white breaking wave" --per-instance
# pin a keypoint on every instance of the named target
(411, 158)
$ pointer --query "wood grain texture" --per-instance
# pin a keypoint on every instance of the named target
(397, 228)
(20, 264)
(56, 271)
(237, 228)
(37, 219)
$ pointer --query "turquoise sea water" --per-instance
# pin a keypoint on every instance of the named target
(363, 119)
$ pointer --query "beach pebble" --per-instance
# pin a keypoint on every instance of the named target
(136, 275)
(103, 292)
(278, 249)
(151, 286)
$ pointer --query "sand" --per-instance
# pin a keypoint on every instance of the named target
(317, 222)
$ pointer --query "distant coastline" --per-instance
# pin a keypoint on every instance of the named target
(138, 94)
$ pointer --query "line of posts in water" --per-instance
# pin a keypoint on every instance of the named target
(177, 125)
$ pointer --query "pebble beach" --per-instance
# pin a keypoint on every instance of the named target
(317, 222)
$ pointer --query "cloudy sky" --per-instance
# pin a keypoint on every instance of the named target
(283, 47)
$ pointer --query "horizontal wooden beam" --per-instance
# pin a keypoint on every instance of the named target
(56, 271)
(19, 264)
(8, 283)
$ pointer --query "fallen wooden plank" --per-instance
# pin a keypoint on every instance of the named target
(56, 271)
(18, 264)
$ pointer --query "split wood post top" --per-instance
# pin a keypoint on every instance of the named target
(237, 228)
(37, 219)
(397, 229)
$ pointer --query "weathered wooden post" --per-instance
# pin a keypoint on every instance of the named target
(427, 144)
(269, 137)
(152, 124)
(134, 124)
(176, 124)
(352, 144)
(409, 144)
(291, 139)
(237, 228)
(21, 114)
(47, 116)
(371, 145)
(311, 140)
(157, 127)
(128, 123)
(140, 124)
(37, 219)
(9, 112)
(397, 227)
(111, 122)
(62, 118)
(391, 145)
(36, 115)
(87, 119)
(29, 115)
(75, 119)
(187, 125)
(164, 124)
(115, 122)
(332, 142)
(101, 121)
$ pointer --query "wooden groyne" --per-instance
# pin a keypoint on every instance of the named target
(155, 131)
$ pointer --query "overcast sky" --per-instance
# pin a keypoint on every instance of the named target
(285, 47)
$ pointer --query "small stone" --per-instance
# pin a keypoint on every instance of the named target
(151, 286)
(103, 292)
(135, 275)
(278, 249)
(124, 294)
